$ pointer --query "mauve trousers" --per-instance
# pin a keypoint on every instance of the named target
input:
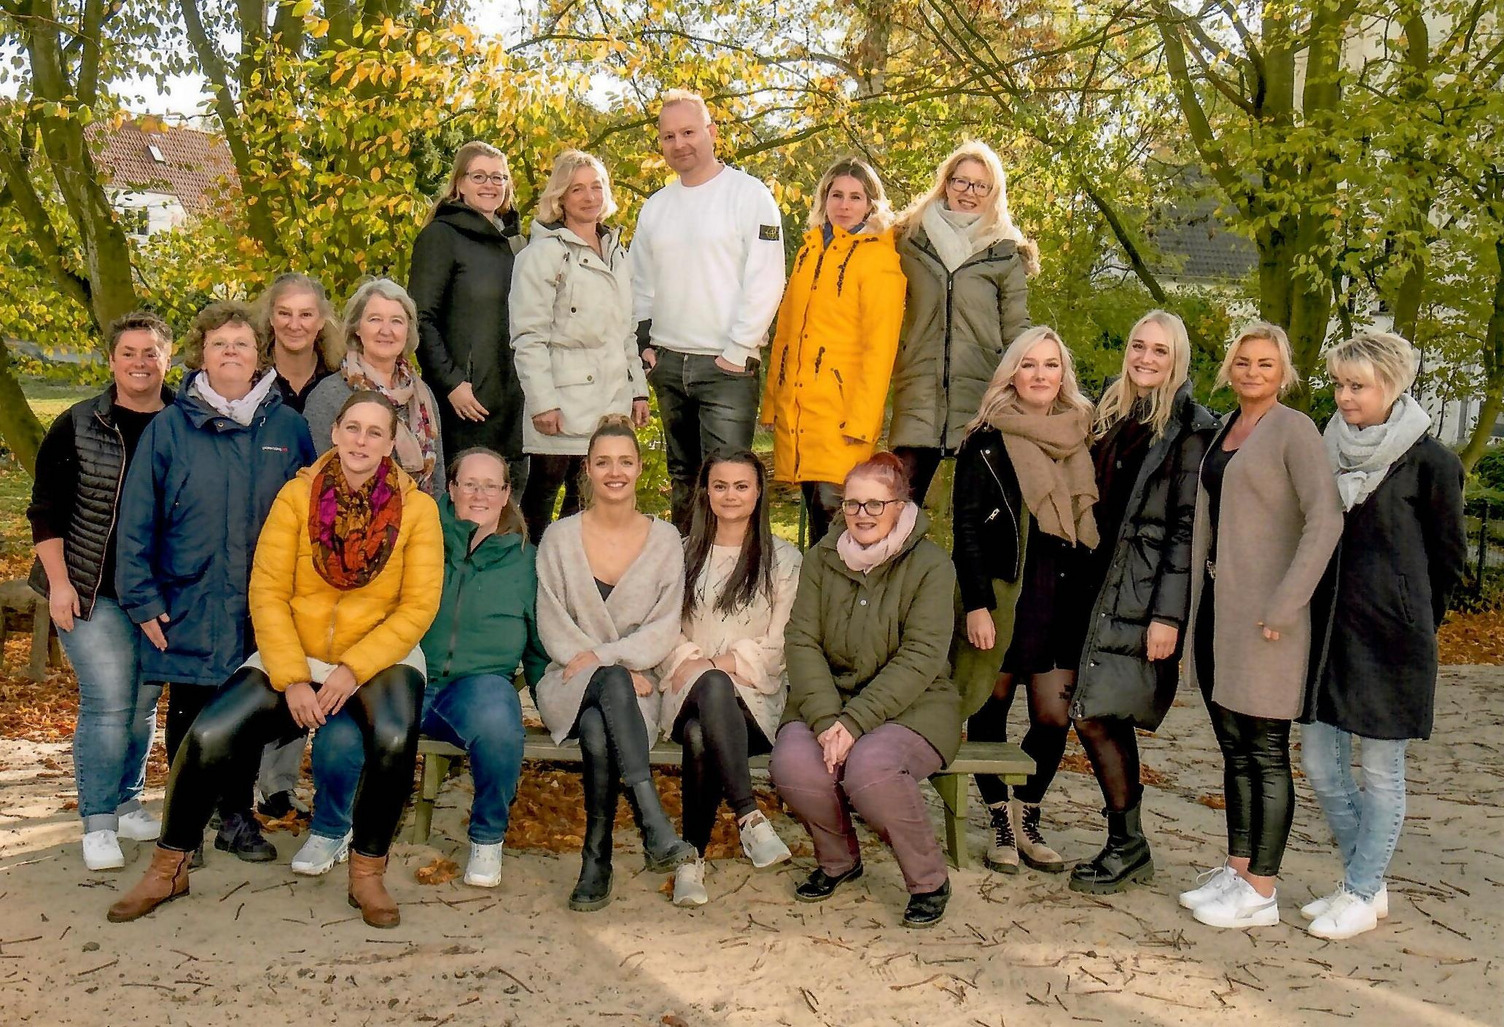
(880, 781)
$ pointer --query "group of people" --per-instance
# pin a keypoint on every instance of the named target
(336, 572)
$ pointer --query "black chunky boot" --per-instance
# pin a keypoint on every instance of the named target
(240, 833)
(593, 890)
(1124, 861)
(662, 848)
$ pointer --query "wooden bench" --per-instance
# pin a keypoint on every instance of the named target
(1005, 759)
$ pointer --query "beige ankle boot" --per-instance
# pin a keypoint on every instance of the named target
(1002, 853)
(1031, 845)
(165, 879)
(368, 891)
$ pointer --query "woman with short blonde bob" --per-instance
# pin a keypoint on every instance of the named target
(381, 336)
(1024, 492)
(1403, 550)
(837, 335)
(572, 335)
(1149, 439)
(1267, 521)
(967, 265)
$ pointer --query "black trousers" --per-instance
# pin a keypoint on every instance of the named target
(547, 473)
(610, 726)
(1049, 698)
(920, 463)
(1256, 780)
(228, 736)
(822, 500)
(236, 791)
(718, 735)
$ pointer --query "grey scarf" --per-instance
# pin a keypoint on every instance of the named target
(1362, 456)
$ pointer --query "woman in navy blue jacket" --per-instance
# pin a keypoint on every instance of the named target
(204, 477)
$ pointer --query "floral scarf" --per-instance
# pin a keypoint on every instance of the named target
(417, 449)
(353, 531)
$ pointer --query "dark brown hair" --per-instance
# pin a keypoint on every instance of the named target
(139, 321)
(367, 396)
(753, 572)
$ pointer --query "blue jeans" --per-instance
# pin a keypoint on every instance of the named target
(1366, 822)
(481, 714)
(117, 714)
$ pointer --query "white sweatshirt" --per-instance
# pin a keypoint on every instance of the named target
(707, 266)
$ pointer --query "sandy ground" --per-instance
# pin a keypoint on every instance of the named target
(255, 944)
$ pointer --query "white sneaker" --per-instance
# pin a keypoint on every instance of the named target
(1212, 884)
(1348, 915)
(1316, 907)
(1239, 906)
(484, 868)
(102, 851)
(689, 884)
(319, 854)
(139, 826)
(761, 843)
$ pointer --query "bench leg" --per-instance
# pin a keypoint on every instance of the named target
(952, 791)
(435, 769)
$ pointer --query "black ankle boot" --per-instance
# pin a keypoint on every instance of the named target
(662, 848)
(593, 890)
(240, 834)
(927, 908)
(1123, 861)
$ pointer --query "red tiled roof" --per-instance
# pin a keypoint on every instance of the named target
(196, 166)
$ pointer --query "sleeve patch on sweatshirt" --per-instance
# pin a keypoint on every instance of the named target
(768, 233)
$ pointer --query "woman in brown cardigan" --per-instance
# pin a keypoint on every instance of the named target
(1267, 521)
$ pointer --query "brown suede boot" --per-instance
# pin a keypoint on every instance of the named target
(165, 879)
(368, 892)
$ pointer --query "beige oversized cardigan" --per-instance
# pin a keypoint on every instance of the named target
(1279, 522)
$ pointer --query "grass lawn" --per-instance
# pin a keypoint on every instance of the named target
(48, 399)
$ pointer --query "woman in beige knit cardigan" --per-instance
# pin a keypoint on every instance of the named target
(1267, 521)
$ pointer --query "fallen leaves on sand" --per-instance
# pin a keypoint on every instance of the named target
(294, 823)
(1473, 638)
(1213, 801)
(440, 871)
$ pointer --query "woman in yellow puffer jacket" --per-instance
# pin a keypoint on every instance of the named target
(836, 341)
(347, 577)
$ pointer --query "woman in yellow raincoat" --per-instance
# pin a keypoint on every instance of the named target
(836, 341)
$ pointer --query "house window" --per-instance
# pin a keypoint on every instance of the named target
(136, 221)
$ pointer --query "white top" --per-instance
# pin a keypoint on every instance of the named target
(753, 635)
(708, 266)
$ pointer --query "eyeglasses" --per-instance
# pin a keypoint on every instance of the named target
(495, 178)
(239, 345)
(489, 489)
(872, 507)
(966, 185)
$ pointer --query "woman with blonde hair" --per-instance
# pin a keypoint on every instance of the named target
(1024, 493)
(303, 336)
(1149, 438)
(837, 335)
(1267, 520)
(967, 264)
(573, 341)
(381, 336)
(1403, 550)
(460, 278)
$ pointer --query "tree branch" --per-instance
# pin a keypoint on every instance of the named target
(43, 234)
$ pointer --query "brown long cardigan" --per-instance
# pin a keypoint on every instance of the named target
(1280, 519)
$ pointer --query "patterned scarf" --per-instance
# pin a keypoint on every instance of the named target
(353, 531)
(417, 449)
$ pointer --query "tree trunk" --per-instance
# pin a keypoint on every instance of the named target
(19, 427)
(1493, 373)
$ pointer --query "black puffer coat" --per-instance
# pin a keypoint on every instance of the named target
(461, 276)
(1402, 552)
(1148, 578)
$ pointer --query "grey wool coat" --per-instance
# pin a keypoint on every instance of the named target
(636, 628)
(1278, 525)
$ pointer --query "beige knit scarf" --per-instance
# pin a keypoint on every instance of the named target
(1050, 455)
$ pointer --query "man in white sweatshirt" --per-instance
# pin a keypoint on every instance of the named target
(707, 277)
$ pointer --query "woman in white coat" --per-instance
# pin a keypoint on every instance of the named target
(572, 336)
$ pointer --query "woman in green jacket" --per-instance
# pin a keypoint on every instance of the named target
(871, 709)
(484, 629)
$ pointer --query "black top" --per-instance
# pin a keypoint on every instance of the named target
(1119, 456)
(1049, 619)
(604, 589)
(1213, 470)
(56, 487)
(296, 398)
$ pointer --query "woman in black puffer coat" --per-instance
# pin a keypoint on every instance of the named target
(1150, 436)
(460, 278)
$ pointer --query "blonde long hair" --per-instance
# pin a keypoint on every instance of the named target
(1001, 397)
(1120, 397)
(330, 342)
(463, 157)
(996, 221)
(551, 202)
(879, 217)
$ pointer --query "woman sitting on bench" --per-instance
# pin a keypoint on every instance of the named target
(485, 628)
(724, 685)
(345, 581)
(871, 709)
(610, 585)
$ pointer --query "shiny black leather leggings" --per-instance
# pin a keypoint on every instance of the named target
(718, 735)
(1256, 779)
(610, 725)
(229, 734)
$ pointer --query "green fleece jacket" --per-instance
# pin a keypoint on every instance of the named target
(866, 649)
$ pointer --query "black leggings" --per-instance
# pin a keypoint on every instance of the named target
(547, 472)
(1256, 780)
(248, 713)
(1112, 746)
(1049, 726)
(237, 789)
(920, 464)
(822, 499)
(610, 725)
(718, 735)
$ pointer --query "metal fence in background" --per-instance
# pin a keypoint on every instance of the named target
(1485, 543)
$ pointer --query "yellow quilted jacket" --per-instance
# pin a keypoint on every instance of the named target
(298, 615)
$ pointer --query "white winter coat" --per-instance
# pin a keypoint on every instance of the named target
(572, 335)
